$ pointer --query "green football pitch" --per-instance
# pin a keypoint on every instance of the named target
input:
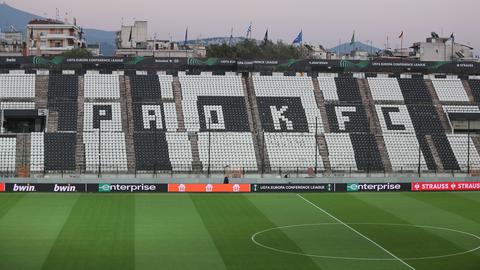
(242, 231)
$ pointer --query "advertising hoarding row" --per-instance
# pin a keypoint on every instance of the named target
(239, 188)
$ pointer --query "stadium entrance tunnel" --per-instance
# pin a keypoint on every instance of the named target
(23, 121)
(336, 241)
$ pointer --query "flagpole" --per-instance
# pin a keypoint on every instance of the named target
(401, 47)
(453, 44)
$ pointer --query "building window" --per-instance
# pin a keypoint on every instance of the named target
(58, 44)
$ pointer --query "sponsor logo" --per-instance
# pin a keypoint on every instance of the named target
(377, 187)
(352, 187)
(103, 187)
(2, 187)
(64, 188)
(23, 188)
(128, 188)
(446, 186)
(208, 188)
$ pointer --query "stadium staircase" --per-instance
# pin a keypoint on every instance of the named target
(80, 146)
(469, 91)
(321, 105)
(196, 163)
(435, 155)
(127, 120)
(438, 106)
(22, 159)
(369, 105)
(323, 149)
(52, 125)
(382, 148)
(261, 152)
(374, 122)
(41, 91)
(177, 94)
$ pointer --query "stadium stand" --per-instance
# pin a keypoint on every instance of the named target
(207, 122)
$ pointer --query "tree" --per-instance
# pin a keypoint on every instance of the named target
(80, 52)
(250, 49)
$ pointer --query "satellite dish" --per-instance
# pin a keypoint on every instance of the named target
(435, 35)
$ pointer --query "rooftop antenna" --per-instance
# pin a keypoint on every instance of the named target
(56, 14)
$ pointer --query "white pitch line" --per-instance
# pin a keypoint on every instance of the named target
(357, 232)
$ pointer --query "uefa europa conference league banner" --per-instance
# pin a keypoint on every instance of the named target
(240, 188)
(293, 188)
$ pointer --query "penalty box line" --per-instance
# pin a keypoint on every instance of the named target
(357, 232)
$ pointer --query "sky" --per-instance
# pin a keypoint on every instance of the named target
(322, 22)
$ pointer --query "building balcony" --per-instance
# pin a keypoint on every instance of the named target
(57, 37)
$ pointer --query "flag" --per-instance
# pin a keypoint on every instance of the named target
(401, 35)
(249, 31)
(353, 38)
(452, 37)
(265, 39)
(299, 38)
(186, 37)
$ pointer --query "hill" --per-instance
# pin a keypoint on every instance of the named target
(10, 16)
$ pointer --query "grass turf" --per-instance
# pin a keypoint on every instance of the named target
(213, 231)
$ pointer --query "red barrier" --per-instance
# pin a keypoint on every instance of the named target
(446, 186)
(227, 188)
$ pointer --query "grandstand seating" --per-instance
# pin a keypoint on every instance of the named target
(341, 153)
(17, 105)
(145, 88)
(394, 118)
(8, 156)
(351, 118)
(102, 86)
(104, 115)
(232, 149)
(460, 145)
(216, 121)
(112, 151)
(450, 90)
(385, 89)
(290, 118)
(166, 85)
(62, 87)
(17, 85)
(292, 151)
(475, 86)
(214, 107)
(347, 90)
(414, 91)
(289, 88)
(403, 150)
(52, 152)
